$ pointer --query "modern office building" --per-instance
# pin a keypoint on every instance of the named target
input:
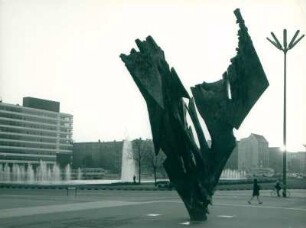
(34, 132)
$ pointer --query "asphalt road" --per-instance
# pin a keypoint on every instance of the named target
(53, 208)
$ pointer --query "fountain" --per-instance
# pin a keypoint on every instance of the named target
(79, 175)
(128, 163)
(51, 174)
(30, 173)
(43, 173)
(68, 173)
(230, 174)
(56, 173)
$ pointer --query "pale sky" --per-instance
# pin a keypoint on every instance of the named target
(68, 51)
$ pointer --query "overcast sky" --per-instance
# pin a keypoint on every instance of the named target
(68, 51)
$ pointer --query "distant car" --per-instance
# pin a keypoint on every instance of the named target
(164, 185)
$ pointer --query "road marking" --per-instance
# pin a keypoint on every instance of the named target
(153, 215)
(262, 207)
(234, 205)
(226, 216)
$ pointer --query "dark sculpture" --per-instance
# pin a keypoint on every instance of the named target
(224, 104)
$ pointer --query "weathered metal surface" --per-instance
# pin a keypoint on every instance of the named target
(223, 105)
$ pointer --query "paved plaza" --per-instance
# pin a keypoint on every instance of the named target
(33, 208)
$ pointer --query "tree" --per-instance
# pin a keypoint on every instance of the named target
(155, 162)
(139, 155)
(145, 158)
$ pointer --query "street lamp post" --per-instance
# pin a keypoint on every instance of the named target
(285, 48)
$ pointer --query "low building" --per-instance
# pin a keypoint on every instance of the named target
(296, 162)
(36, 131)
(276, 160)
(106, 155)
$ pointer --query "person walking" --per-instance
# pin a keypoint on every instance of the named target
(134, 179)
(256, 189)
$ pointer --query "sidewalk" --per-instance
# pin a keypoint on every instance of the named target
(133, 209)
(292, 184)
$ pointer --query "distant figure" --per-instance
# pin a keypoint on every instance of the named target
(134, 179)
(256, 189)
(277, 187)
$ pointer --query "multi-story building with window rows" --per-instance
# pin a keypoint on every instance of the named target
(34, 132)
(253, 152)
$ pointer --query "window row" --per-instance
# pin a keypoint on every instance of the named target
(29, 124)
(27, 152)
(21, 109)
(26, 138)
(23, 116)
(31, 138)
(35, 131)
(36, 119)
(12, 157)
(28, 145)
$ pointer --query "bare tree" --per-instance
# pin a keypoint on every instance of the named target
(155, 162)
(139, 155)
(144, 156)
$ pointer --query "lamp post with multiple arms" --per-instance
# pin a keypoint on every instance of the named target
(285, 48)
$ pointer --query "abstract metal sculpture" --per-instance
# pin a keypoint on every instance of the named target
(223, 105)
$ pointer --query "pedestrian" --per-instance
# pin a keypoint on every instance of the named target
(256, 188)
(134, 179)
(277, 187)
